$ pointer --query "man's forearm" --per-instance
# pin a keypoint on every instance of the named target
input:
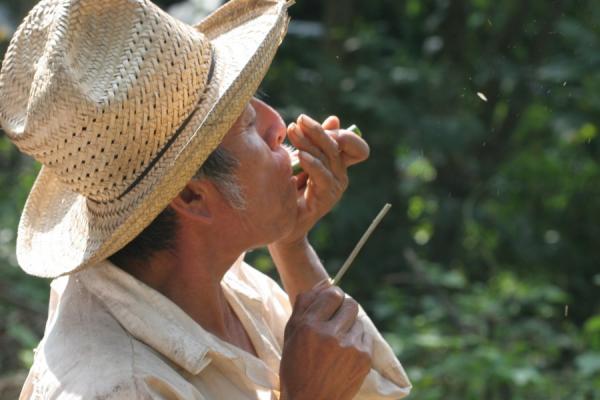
(298, 265)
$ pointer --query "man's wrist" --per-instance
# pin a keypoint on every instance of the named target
(298, 266)
(296, 246)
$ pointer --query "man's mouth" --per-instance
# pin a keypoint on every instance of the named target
(293, 153)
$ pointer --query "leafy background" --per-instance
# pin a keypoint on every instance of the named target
(483, 123)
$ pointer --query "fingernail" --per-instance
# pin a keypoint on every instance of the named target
(328, 120)
(298, 131)
(307, 121)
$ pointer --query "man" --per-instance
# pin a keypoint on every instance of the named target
(160, 171)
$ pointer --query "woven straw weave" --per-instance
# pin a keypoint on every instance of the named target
(122, 103)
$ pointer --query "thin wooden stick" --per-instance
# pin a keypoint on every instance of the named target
(360, 244)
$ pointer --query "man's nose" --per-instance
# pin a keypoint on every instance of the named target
(271, 122)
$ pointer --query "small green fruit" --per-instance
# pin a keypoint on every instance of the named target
(355, 129)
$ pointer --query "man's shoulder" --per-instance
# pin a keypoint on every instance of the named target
(101, 361)
(92, 362)
(87, 353)
(43, 386)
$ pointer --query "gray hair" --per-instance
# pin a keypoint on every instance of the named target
(219, 168)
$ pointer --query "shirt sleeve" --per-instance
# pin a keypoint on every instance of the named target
(386, 380)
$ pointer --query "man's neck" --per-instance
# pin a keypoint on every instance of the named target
(190, 276)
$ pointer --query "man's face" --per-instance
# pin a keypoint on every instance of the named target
(264, 173)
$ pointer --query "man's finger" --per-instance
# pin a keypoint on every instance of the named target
(331, 123)
(298, 139)
(305, 299)
(326, 303)
(317, 171)
(353, 148)
(345, 317)
(319, 137)
(354, 336)
(367, 343)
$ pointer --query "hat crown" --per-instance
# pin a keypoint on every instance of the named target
(95, 90)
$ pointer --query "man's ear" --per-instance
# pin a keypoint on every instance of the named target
(195, 201)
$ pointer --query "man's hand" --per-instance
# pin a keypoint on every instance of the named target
(326, 354)
(325, 152)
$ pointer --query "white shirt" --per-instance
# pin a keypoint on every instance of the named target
(109, 336)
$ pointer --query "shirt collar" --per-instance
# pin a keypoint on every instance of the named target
(155, 320)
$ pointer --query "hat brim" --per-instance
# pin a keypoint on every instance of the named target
(61, 231)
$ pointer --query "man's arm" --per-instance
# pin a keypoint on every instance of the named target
(328, 350)
(326, 152)
(313, 342)
(299, 267)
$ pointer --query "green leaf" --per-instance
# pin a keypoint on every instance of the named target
(588, 363)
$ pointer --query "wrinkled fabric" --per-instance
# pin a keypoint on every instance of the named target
(109, 336)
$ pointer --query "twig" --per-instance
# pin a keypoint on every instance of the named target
(360, 244)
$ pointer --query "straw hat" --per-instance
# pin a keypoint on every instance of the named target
(122, 103)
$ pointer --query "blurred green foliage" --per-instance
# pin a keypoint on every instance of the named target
(483, 123)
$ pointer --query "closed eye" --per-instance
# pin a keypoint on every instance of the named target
(247, 120)
(250, 117)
